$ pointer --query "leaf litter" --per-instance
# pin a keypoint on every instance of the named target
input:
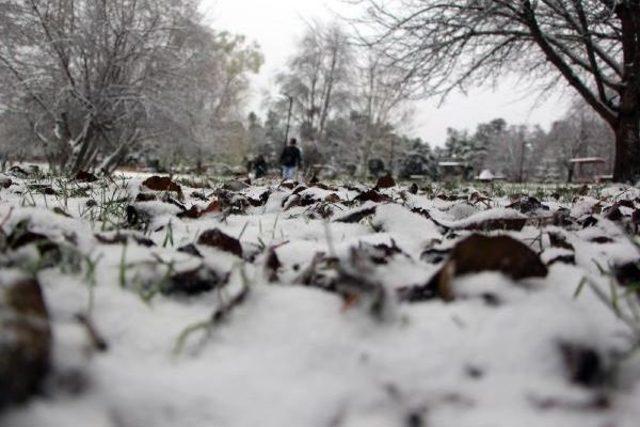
(261, 303)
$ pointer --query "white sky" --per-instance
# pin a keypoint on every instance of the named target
(277, 24)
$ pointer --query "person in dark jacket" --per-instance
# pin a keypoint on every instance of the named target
(291, 159)
(260, 166)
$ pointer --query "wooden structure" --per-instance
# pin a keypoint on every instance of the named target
(588, 169)
(452, 170)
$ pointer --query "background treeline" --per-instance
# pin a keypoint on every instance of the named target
(92, 86)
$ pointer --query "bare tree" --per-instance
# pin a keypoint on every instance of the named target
(95, 78)
(318, 77)
(581, 133)
(592, 45)
(380, 100)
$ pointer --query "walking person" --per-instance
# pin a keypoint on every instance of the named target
(291, 160)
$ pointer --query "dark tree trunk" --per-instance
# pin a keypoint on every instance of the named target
(627, 162)
(627, 127)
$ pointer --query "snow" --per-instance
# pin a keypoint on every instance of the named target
(486, 175)
(298, 355)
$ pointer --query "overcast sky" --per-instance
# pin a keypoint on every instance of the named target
(277, 24)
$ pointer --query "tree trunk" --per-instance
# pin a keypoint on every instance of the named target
(627, 163)
(627, 127)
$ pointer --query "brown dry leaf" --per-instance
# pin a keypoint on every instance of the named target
(589, 221)
(559, 241)
(528, 204)
(217, 239)
(84, 176)
(25, 358)
(190, 249)
(195, 212)
(584, 365)
(614, 213)
(5, 182)
(357, 216)
(122, 239)
(628, 276)
(372, 196)
(477, 254)
(627, 204)
(260, 201)
(159, 183)
(601, 240)
(507, 224)
(146, 197)
(273, 264)
(193, 282)
(386, 181)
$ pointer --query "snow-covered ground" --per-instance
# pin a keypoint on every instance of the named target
(270, 305)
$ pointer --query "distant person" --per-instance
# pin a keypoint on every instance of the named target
(260, 166)
(291, 160)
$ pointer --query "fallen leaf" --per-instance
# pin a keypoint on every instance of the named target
(583, 364)
(601, 240)
(84, 176)
(195, 212)
(332, 198)
(372, 196)
(357, 216)
(190, 249)
(628, 275)
(26, 341)
(589, 221)
(386, 181)
(477, 254)
(614, 213)
(273, 264)
(158, 183)
(146, 197)
(559, 241)
(217, 239)
(506, 224)
(527, 205)
(122, 239)
(193, 282)
(5, 182)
